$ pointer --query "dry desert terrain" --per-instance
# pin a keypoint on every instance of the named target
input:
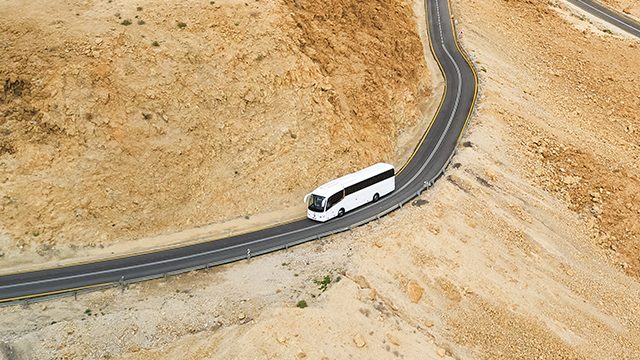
(528, 247)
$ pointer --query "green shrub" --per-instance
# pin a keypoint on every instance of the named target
(324, 283)
(302, 304)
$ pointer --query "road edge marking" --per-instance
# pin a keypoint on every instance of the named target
(444, 93)
(56, 292)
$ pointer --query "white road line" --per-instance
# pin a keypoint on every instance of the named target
(455, 106)
(166, 261)
(185, 257)
(609, 16)
(439, 22)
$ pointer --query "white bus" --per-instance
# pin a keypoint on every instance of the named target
(336, 197)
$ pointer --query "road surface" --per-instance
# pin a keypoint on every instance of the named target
(427, 163)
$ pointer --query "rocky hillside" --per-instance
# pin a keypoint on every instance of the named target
(123, 120)
(526, 249)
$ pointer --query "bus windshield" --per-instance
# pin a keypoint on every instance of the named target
(316, 203)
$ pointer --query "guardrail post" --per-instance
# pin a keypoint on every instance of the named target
(75, 295)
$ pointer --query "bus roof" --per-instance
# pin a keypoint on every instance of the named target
(340, 183)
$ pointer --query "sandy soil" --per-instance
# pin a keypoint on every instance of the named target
(192, 114)
(507, 275)
(576, 113)
(517, 253)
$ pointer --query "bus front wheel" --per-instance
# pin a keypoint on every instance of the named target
(340, 212)
(376, 197)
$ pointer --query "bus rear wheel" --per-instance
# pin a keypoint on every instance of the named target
(340, 212)
(376, 197)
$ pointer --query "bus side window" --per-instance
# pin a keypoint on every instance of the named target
(333, 199)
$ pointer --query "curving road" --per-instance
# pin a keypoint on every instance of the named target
(613, 17)
(427, 163)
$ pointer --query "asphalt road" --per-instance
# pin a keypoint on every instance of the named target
(611, 16)
(428, 162)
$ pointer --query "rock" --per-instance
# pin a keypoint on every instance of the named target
(428, 323)
(392, 339)
(326, 87)
(361, 281)
(241, 316)
(281, 340)
(449, 289)
(373, 294)
(596, 210)
(414, 291)
(301, 355)
(359, 341)
(442, 352)
(571, 180)
(85, 202)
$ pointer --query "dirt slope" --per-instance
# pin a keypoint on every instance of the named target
(576, 113)
(501, 259)
(123, 120)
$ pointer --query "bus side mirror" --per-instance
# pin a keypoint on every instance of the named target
(306, 199)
